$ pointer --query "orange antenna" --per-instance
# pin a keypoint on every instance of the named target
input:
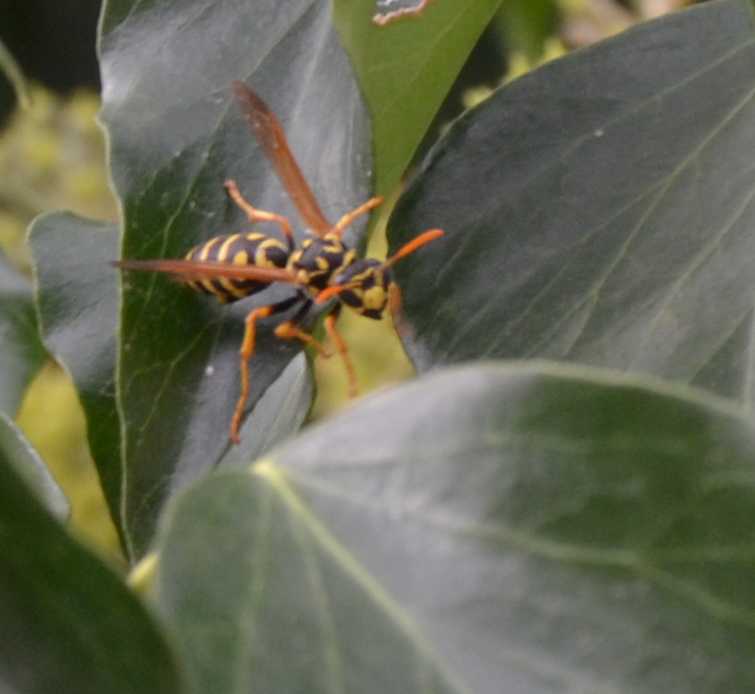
(422, 240)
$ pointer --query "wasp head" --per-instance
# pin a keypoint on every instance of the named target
(365, 287)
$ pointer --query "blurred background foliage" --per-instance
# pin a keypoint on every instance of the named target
(53, 156)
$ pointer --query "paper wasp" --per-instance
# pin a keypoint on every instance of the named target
(235, 266)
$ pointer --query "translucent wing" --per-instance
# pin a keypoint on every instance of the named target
(269, 133)
(192, 270)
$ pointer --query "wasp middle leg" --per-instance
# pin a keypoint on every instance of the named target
(255, 215)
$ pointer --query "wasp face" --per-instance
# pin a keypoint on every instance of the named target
(368, 282)
(317, 259)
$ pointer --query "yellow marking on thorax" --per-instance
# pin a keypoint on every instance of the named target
(348, 258)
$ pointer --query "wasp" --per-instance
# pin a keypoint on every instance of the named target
(235, 266)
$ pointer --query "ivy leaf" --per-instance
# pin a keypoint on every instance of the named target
(278, 414)
(23, 354)
(600, 209)
(486, 528)
(15, 449)
(77, 303)
(70, 624)
(176, 135)
(406, 69)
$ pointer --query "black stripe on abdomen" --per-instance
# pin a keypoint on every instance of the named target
(249, 249)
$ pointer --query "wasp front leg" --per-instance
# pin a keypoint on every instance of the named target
(246, 352)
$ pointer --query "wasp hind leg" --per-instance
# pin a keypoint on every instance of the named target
(343, 350)
(246, 352)
(255, 215)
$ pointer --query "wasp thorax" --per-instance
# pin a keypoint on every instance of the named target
(367, 281)
(316, 260)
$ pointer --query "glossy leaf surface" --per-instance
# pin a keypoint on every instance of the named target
(176, 135)
(21, 350)
(69, 624)
(600, 209)
(77, 303)
(406, 69)
(527, 529)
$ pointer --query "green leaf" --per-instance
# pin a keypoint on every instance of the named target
(278, 414)
(484, 529)
(69, 623)
(600, 209)
(175, 135)
(17, 451)
(22, 352)
(77, 303)
(406, 69)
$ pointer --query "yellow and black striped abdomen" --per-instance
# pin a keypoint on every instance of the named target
(251, 248)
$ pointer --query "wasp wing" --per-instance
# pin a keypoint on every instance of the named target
(269, 133)
(193, 270)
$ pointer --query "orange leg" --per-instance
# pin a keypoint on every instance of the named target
(343, 350)
(290, 331)
(255, 215)
(246, 352)
(349, 217)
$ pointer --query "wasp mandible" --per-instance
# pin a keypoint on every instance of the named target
(322, 267)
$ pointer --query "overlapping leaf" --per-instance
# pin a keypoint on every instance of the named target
(77, 304)
(69, 624)
(18, 452)
(600, 209)
(406, 69)
(485, 529)
(22, 352)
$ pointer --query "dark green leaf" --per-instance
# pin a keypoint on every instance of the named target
(600, 210)
(406, 69)
(485, 529)
(280, 412)
(17, 451)
(77, 301)
(22, 352)
(176, 135)
(69, 624)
